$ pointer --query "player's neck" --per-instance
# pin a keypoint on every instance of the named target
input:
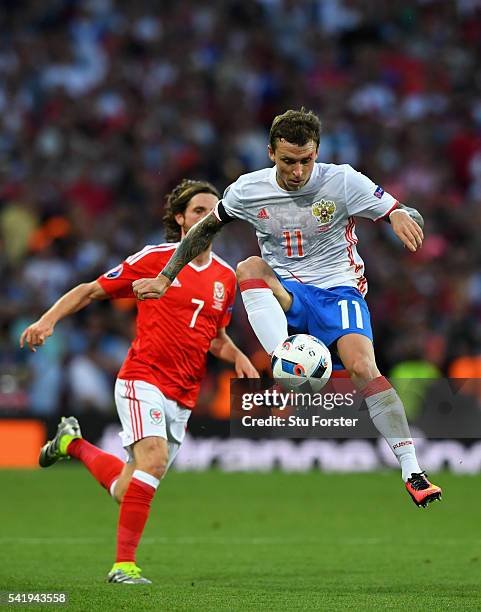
(203, 258)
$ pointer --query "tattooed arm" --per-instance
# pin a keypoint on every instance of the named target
(197, 240)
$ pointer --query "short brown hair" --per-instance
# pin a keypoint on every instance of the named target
(178, 200)
(295, 126)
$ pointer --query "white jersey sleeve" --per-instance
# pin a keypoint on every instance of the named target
(364, 198)
(231, 201)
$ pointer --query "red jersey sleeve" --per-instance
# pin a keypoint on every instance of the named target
(224, 320)
(117, 282)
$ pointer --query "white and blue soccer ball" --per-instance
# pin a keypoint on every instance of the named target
(302, 363)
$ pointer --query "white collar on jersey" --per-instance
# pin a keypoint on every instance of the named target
(200, 268)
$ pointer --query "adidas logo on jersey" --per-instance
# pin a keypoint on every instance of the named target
(263, 214)
(176, 283)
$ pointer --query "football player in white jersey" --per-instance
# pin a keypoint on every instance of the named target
(310, 277)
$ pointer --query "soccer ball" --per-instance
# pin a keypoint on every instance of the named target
(302, 363)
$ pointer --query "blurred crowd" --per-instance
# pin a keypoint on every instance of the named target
(105, 105)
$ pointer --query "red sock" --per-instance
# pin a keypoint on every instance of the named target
(105, 468)
(134, 511)
(376, 385)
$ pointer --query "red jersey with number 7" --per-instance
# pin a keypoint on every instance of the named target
(174, 332)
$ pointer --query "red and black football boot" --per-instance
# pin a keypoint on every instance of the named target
(421, 490)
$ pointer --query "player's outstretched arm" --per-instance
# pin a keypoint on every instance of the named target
(197, 240)
(224, 348)
(72, 301)
(407, 223)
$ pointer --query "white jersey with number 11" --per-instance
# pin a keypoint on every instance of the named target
(309, 235)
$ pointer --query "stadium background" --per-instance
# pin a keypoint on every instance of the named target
(105, 106)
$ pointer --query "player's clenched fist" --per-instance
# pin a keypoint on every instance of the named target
(36, 334)
(150, 288)
(244, 368)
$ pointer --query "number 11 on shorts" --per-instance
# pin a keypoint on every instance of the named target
(344, 305)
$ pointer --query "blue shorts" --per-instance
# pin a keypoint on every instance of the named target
(327, 314)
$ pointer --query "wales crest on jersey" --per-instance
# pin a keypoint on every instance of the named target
(324, 211)
(219, 295)
(219, 291)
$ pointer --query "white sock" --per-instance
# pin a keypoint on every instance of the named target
(387, 413)
(266, 316)
(146, 478)
(112, 488)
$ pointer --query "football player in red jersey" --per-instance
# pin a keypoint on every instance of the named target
(159, 381)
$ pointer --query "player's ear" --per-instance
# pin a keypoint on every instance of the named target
(179, 217)
(271, 154)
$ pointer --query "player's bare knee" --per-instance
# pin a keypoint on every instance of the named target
(256, 268)
(155, 464)
(151, 456)
(362, 367)
(252, 267)
(156, 469)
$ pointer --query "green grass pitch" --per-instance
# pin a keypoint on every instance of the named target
(273, 541)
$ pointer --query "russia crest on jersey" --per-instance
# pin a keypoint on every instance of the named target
(324, 211)
(114, 272)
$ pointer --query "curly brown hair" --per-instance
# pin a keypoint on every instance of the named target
(295, 126)
(178, 200)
